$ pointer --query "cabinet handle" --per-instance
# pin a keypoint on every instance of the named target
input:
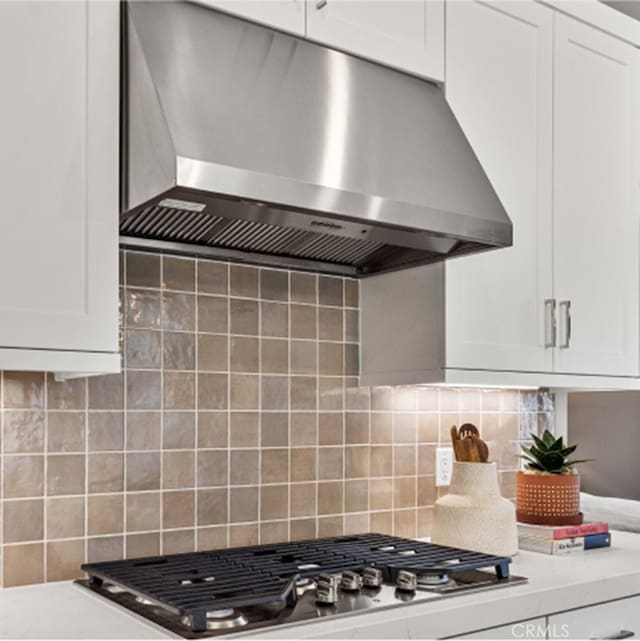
(622, 634)
(321, 4)
(565, 314)
(550, 327)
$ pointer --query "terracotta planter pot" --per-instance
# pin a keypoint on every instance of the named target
(548, 499)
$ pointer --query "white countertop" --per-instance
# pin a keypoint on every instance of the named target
(556, 583)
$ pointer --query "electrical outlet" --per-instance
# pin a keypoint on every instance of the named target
(444, 465)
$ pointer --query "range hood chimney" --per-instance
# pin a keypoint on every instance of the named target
(249, 144)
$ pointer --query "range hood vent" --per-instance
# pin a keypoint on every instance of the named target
(252, 145)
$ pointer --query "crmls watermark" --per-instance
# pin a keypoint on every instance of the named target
(539, 631)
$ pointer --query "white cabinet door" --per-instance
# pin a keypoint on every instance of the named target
(530, 629)
(596, 204)
(613, 620)
(406, 34)
(499, 84)
(287, 15)
(59, 176)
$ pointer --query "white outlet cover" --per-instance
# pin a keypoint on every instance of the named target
(444, 466)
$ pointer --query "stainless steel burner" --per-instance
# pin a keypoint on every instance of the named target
(433, 579)
(222, 620)
(143, 601)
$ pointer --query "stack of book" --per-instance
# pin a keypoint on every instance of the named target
(563, 539)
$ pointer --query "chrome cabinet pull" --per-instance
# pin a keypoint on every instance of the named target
(321, 4)
(550, 326)
(622, 634)
(565, 314)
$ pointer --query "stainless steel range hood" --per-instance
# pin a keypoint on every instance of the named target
(250, 144)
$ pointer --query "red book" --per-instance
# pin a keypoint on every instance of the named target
(561, 531)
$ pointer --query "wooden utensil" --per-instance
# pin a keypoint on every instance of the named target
(455, 440)
(468, 429)
(468, 447)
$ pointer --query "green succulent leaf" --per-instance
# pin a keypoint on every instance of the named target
(549, 454)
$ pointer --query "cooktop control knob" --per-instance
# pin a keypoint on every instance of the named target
(372, 577)
(407, 581)
(351, 581)
(327, 589)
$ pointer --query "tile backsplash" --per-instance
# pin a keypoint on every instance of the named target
(237, 420)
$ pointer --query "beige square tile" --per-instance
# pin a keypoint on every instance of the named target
(106, 392)
(245, 391)
(212, 506)
(428, 427)
(304, 357)
(275, 466)
(331, 393)
(23, 431)
(243, 504)
(381, 460)
(382, 522)
(244, 534)
(105, 514)
(23, 564)
(274, 356)
(304, 287)
(404, 523)
(303, 463)
(244, 429)
(23, 521)
(66, 395)
(143, 471)
(274, 532)
(356, 496)
(301, 529)
(143, 389)
(429, 399)
(356, 398)
(330, 291)
(351, 292)
(143, 309)
(143, 511)
(105, 548)
(274, 392)
(425, 521)
(275, 430)
(212, 468)
(64, 559)
(178, 311)
(303, 391)
(330, 324)
(303, 500)
(404, 427)
(427, 491)
(213, 277)
(404, 457)
(274, 284)
(245, 354)
(330, 526)
(381, 428)
(274, 319)
(245, 467)
(106, 431)
(141, 545)
(143, 430)
(331, 359)
(178, 509)
(23, 390)
(23, 476)
(330, 463)
(106, 472)
(178, 273)
(351, 325)
(143, 270)
(356, 523)
(179, 351)
(330, 428)
(179, 390)
(382, 399)
(274, 502)
(351, 359)
(304, 321)
(330, 497)
(65, 431)
(213, 429)
(179, 430)
(179, 541)
(381, 494)
(213, 352)
(404, 490)
(143, 349)
(212, 538)
(304, 430)
(244, 281)
(178, 470)
(213, 314)
(65, 474)
(357, 461)
(243, 316)
(356, 428)
(426, 459)
(65, 517)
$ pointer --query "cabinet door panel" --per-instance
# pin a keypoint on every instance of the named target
(530, 629)
(407, 34)
(287, 15)
(59, 168)
(499, 82)
(603, 621)
(596, 199)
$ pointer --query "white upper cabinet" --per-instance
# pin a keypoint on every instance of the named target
(406, 34)
(287, 15)
(499, 82)
(595, 201)
(59, 175)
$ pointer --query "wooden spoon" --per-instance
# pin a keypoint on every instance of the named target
(456, 442)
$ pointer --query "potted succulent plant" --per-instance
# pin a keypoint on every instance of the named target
(548, 489)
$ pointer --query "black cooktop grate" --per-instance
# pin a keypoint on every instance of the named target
(191, 585)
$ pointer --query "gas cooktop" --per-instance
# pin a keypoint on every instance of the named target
(211, 593)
